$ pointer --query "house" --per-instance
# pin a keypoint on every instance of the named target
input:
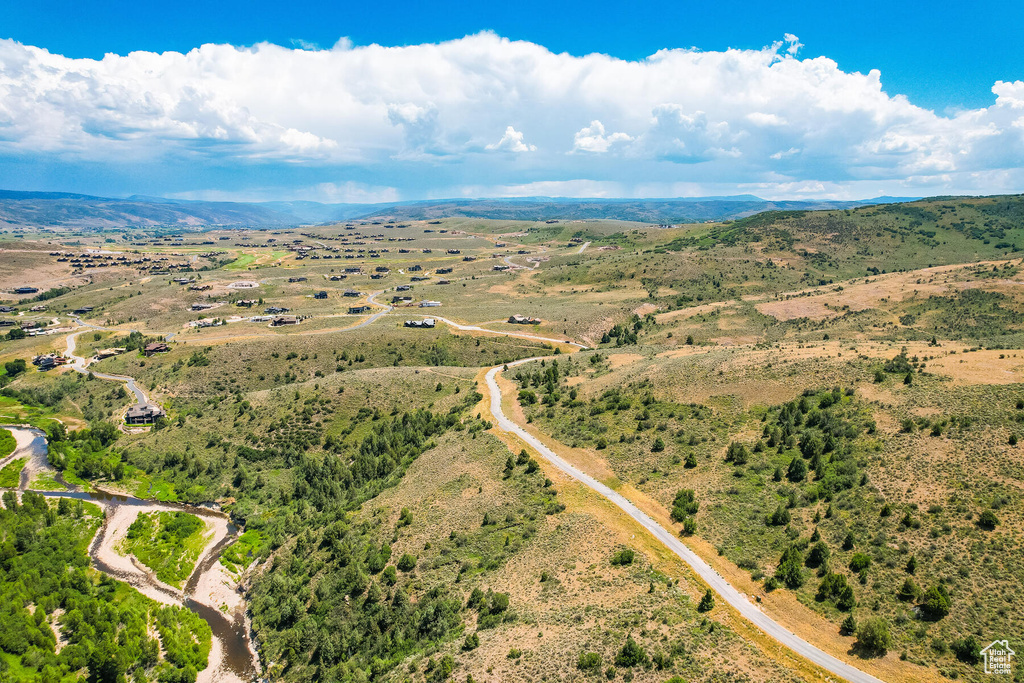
(181, 281)
(49, 361)
(352, 293)
(82, 310)
(415, 269)
(276, 309)
(358, 309)
(429, 304)
(444, 281)
(296, 279)
(378, 276)
(261, 318)
(469, 258)
(26, 290)
(443, 271)
(419, 278)
(36, 309)
(6, 309)
(201, 307)
(502, 267)
(247, 303)
(401, 299)
(454, 251)
(382, 269)
(523, 320)
(155, 347)
(107, 353)
(403, 288)
(426, 322)
(498, 245)
(337, 278)
(143, 414)
(284, 320)
(320, 295)
(354, 270)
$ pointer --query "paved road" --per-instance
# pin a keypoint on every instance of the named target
(387, 309)
(718, 584)
(508, 261)
(583, 248)
(82, 365)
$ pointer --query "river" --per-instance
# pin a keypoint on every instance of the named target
(232, 656)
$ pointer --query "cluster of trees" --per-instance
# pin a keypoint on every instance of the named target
(815, 433)
(627, 333)
(337, 604)
(545, 377)
(44, 567)
(134, 341)
(45, 395)
(684, 507)
(15, 367)
(86, 452)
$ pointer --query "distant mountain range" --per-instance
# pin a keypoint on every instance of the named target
(85, 212)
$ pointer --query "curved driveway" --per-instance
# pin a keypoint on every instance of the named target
(718, 584)
(387, 309)
(82, 365)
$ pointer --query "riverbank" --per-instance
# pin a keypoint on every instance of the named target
(232, 656)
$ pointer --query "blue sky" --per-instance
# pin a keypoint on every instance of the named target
(483, 115)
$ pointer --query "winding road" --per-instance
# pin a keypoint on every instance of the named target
(82, 365)
(719, 585)
(740, 602)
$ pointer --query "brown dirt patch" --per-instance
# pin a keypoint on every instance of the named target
(692, 311)
(644, 309)
(617, 360)
(981, 367)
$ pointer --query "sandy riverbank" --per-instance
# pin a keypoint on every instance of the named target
(23, 438)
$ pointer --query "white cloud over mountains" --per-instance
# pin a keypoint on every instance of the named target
(512, 141)
(429, 118)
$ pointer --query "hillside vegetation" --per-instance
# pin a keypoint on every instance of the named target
(825, 405)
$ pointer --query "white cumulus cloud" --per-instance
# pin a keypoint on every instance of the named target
(512, 141)
(422, 117)
(593, 138)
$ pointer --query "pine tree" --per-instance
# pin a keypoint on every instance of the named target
(707, 603)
